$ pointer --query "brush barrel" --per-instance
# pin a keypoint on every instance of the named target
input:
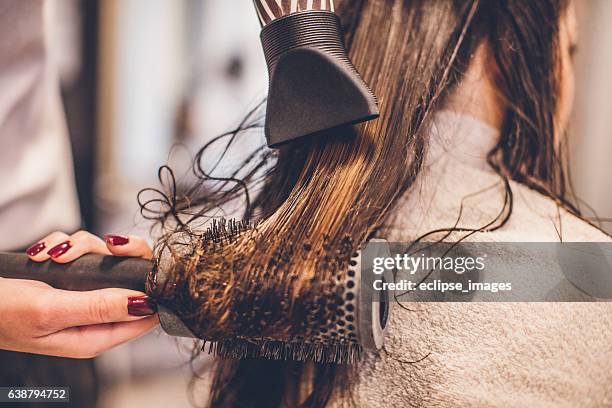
(359, 324)
(313, 84)
(341, 318)
(89, 272)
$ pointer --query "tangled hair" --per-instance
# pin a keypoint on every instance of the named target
(333, 191)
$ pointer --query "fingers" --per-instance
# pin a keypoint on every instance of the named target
(78, 244)
(90, 341)
(128, 245)
(68, 309)
(64, 248)
(38, 251)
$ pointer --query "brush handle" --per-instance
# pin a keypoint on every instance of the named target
(270, 10)
(88, 272)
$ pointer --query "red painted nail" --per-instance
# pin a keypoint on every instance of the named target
(141, 306)
(60, 249)
(35, 249)
(117, 240)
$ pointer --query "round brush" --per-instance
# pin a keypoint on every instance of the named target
(350, 319)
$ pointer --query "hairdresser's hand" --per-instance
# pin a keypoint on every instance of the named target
(63, 248)
(37, 318)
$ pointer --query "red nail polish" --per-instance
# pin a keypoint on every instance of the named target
(35, 249)
(117, 240)
(60, 249)
(141, 306)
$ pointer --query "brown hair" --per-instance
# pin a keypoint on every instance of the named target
(339, 187)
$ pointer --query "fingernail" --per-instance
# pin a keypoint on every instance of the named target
(35, 249)
(141, 306)
(117, 240)
(60, 249)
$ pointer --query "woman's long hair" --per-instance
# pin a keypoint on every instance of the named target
(341, 186)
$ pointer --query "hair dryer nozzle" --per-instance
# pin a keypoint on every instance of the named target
(313, 84)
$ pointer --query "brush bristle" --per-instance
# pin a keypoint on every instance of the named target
(338, 353)
(225, 231)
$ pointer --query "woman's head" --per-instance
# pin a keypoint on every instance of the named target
(415, 56)
(480, 93)
(325, 192)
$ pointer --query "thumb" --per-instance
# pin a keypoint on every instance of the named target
(70, 309)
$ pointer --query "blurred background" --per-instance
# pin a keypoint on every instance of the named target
(139, 76)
